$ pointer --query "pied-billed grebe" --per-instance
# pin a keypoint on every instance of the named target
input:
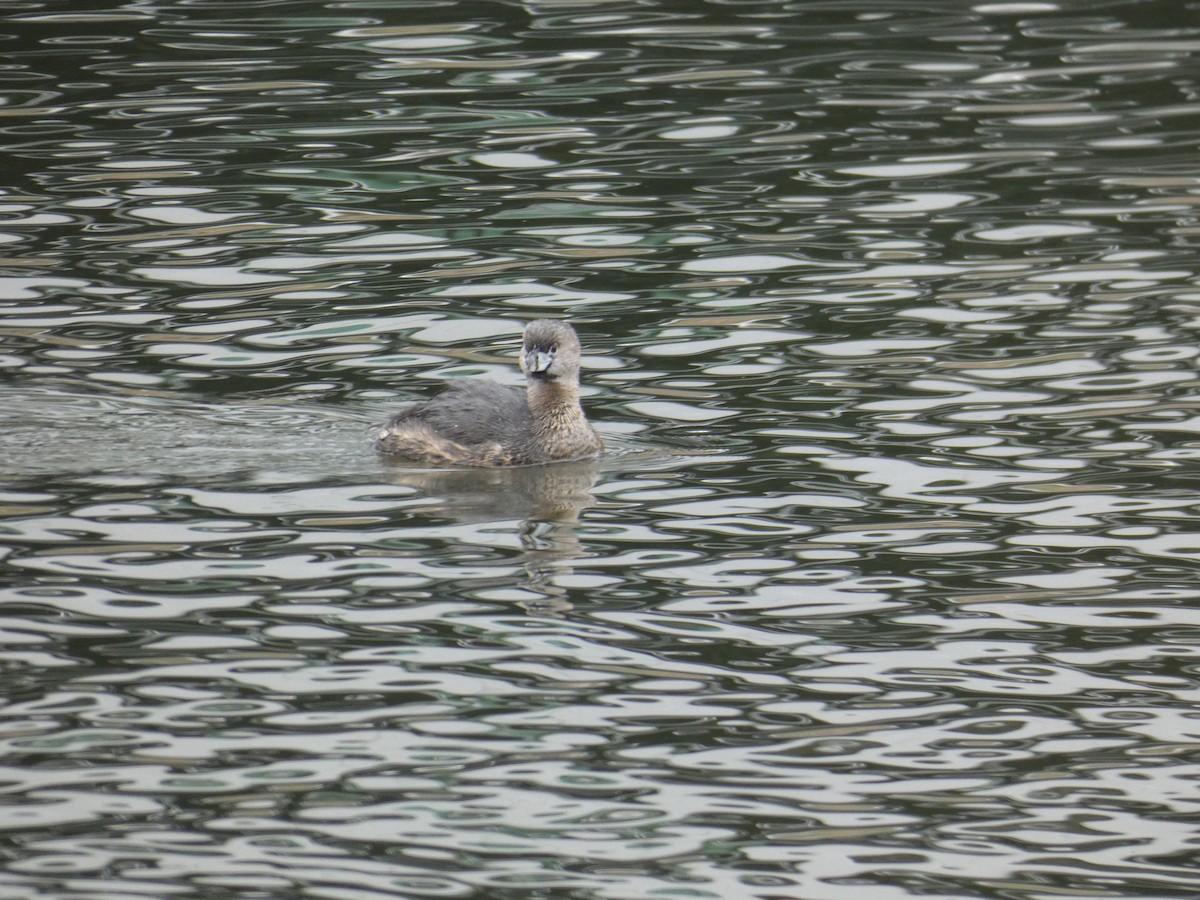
(481, 423)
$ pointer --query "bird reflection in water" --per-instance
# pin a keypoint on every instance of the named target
(546, 500)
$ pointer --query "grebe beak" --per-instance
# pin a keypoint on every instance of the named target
(537, 362)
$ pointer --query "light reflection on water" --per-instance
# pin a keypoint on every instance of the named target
(887, 586)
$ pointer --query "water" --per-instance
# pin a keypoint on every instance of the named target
(886, 589)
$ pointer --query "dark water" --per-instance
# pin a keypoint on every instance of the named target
(887, 590)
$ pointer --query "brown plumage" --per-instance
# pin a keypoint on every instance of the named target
(481, 423)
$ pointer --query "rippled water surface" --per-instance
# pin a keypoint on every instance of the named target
(887, 588)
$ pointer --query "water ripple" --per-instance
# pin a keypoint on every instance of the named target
(885, 585)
